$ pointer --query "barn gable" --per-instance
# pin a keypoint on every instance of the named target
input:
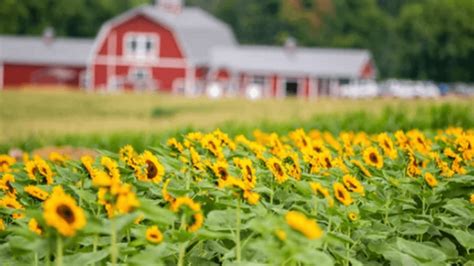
(195, 30)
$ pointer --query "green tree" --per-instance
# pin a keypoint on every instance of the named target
(438, 40)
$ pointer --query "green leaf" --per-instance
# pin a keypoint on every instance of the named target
(458, 207)
(466, 239)
(219, 220)
(420, 251)
(86, 258)
(155, 213)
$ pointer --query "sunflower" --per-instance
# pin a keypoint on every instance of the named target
(257, 149)
(318, 188)
(6, 162)
(36, 192)
(361, 167)
(111, 168)
(2, 225)
(386, 143)
(175, 145)
(154, 169)
(10, 202)
(430, 180)
(212, 144)
(277, 169)
(87, 163)
(247, 170)
(342, 194)
(39, 166)
(196, 160)
(471, 199)
(353, 216)
(373, 158)
(352, 184)
(102, 179)
(18, 215)
(126, 202)
(34, 226)
(62, 213)
(5, 184)
(57, 158)
(251, 197)
(197, 217)
(413, 168)
(300, 223)
(154, 235)
(292, 165)
(456, 166)
(220, 170)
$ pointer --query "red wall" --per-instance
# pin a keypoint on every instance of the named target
(368, 70)
(19, 75)
(168, 47)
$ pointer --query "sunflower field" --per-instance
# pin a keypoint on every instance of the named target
(304, 198)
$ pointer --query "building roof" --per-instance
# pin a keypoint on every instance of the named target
(341, 63)
(34, 50)
(197, 31)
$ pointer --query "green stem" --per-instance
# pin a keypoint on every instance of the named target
(59, 251)
(237, 235)
(94, 245)
(36, 258)
(182, 249)
(113, 244)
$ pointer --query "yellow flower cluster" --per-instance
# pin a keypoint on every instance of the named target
(301, 223)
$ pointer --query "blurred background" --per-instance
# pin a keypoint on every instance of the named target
(102, 73)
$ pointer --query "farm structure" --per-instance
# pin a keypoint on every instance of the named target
(173, 48)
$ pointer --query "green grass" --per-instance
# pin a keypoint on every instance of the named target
(30, 118)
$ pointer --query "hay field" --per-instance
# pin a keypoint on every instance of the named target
(46, 114)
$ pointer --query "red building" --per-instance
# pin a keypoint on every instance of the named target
(172, 48)
(161, 47)
(42, 61)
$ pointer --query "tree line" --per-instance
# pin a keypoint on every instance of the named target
(416, 39)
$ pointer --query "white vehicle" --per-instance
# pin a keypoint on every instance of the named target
(360, 89)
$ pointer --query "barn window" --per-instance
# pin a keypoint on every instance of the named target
(141, 45)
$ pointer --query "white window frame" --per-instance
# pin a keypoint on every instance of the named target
(140, 52)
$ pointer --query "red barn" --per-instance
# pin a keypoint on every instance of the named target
(42, 61)
(159, 47)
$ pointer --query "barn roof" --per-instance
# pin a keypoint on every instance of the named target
(341, 63)
(34, 50)
(197, 31)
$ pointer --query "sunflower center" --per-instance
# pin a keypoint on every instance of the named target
(153, 235)
(328, 162)
(66, 213)
(340, 194)
(249, 173)
(278, 169)
(352, 185)
(373, 158)
(223, 173)
(151, 169)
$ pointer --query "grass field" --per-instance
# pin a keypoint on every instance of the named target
(32, 118)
